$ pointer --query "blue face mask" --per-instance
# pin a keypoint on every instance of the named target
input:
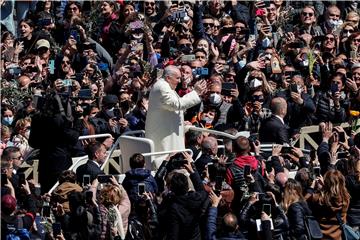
(242, 63)
(158, 56)
(266, 42)
(7, 121)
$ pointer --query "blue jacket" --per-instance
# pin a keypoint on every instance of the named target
(211, 228)
(139, 175)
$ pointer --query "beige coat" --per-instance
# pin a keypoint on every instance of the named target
(165, 117)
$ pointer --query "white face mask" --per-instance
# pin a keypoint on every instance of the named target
(215, 98)
(335, 23)
(27, 134)
(304, 63)
(255, 83)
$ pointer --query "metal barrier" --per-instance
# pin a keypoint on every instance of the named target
(114, 152)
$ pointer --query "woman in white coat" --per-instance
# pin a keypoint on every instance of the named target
(165, 116)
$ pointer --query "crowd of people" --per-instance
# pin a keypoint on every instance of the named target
(270, 68)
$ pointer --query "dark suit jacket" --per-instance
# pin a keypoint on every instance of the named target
(89, 168)
(272, 130)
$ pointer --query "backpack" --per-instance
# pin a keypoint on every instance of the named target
(18, 232)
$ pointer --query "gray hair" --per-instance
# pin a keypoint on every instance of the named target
(169, 71)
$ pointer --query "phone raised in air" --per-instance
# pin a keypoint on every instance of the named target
(247, 170)
(141, 188)
(266, 208)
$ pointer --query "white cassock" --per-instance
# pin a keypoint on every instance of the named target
(165, 117)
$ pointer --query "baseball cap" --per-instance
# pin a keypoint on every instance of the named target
(42, 43)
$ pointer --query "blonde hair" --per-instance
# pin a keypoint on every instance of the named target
(21, 123)
(111, 195)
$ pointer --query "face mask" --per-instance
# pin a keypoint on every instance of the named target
(158, 56)
(304, 63)
(8, 120)
(266, 42)
(125, 104)
(27, 134)
(255, 83)
(206, 119)
(335, 23)
(242, 63)
(215, 98)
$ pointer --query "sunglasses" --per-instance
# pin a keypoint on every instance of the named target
(307, 14)
(185, 45)
(208, 25)
(149, 3)
(66, 62)
(348, 31)
(356, 39)
(329, 38)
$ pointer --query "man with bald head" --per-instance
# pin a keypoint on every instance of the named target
(24, 82)
(165, 117)
(209, 149)
(273, 129)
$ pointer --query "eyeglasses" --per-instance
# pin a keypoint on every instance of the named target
(216, 26)
(66, 62)
(356, 39)
(307, 14)
(348, 31)
(73, 9)
(149, 3)
(200, 57)
(334, 15)
(28, 128)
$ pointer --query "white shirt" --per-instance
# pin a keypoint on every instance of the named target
(279, 118)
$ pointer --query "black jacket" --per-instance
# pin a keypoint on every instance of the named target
(272, 130)
(182, 215)
(296, 213)
(353, 214)
(89, 168)
(326, 111)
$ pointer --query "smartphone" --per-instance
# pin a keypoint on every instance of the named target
(294, 88)
(141, 188)
(286, 150)
(104, 178)
(226, 88)
(218, 182)
(317, 172)
(75, 35)
(334, 88)
(246, 170)
(275, 65)
(3, 179)
(341, 136)
(342, 155)
(88, 197)
(117, 113)
(46, 211)
(86, 180)
(67, 82)
(228, 30)
(266, 4)
(56, 227)
(52, 66)
(22, 178)
(85, 94)
(266, 208)
(188, 58)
